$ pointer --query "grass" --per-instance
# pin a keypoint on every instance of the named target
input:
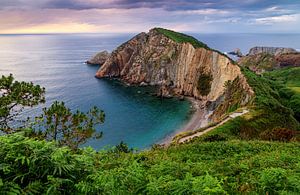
(290, 77)
(182, 38)
(295, 89)
(274, 106)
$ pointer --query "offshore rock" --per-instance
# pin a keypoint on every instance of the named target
(99, 58)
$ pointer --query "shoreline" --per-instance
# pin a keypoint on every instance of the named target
(198, 119)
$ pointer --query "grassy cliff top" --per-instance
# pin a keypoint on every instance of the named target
(182, 38)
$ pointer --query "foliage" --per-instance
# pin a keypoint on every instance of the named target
(272, 100)
(182, 38)
(29, 166)
(289, 80)
(14, 96)
(279, 134)
(204, 83)
(259, 62)
(58, 123)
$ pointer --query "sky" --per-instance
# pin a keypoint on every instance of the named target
(128, 16)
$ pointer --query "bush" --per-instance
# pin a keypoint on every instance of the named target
(279, 134)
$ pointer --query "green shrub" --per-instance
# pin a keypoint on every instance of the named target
(204, 83)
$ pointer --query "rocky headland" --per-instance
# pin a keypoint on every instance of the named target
(179, 65)
(261, 59)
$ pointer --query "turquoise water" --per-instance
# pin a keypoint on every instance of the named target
(132, 115)
(56, 62)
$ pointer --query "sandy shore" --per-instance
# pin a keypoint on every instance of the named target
(198, 119)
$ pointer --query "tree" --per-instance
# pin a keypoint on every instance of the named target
(14, 96)
(58, 123)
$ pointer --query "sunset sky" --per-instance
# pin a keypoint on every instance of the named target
(118, 16)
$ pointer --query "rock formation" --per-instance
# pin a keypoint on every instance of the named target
(99, 58)
(237, 52)
(261, 59)
(178, 64)
(271, 50)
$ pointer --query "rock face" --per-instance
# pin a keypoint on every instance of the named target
(291, 59)
(269, 58)
(271, 50)
(162, 58)
(99, 58)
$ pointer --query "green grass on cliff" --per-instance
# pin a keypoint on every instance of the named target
(289, 80)
(274, 113)
(289, 77)
(182, 38)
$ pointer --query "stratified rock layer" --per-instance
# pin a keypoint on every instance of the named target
(177, 68)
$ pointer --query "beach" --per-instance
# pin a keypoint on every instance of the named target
(198, 119)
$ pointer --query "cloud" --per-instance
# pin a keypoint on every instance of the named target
(169, 5)
(277, 19)
(140, 15)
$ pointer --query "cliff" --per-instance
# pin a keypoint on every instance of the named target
(261, 59)
(271, 50)
(178, 64)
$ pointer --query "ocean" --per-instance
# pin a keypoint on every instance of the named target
(133, 115)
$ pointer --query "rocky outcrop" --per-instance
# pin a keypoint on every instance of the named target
(270, 58)
(291, 59)
(176, 64)
(271, 50)
(99, 58)
(237, 52)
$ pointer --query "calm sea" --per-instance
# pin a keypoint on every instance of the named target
(132, 115)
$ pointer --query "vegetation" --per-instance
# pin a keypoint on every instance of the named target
(31, 166)
(259, 62)
(204, 83)
(271, 109)
(289, 80)
(58, 123)
(182, 38)
(14, 97)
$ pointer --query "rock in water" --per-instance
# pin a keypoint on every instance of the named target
(177, 63)
(99, 58)
(237, 52)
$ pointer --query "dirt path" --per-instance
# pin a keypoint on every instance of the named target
(198, 134)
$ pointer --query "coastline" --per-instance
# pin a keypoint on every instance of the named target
(198, 119)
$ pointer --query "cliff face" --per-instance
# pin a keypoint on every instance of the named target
(180, 68)
(261, 59)
(271, 50)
